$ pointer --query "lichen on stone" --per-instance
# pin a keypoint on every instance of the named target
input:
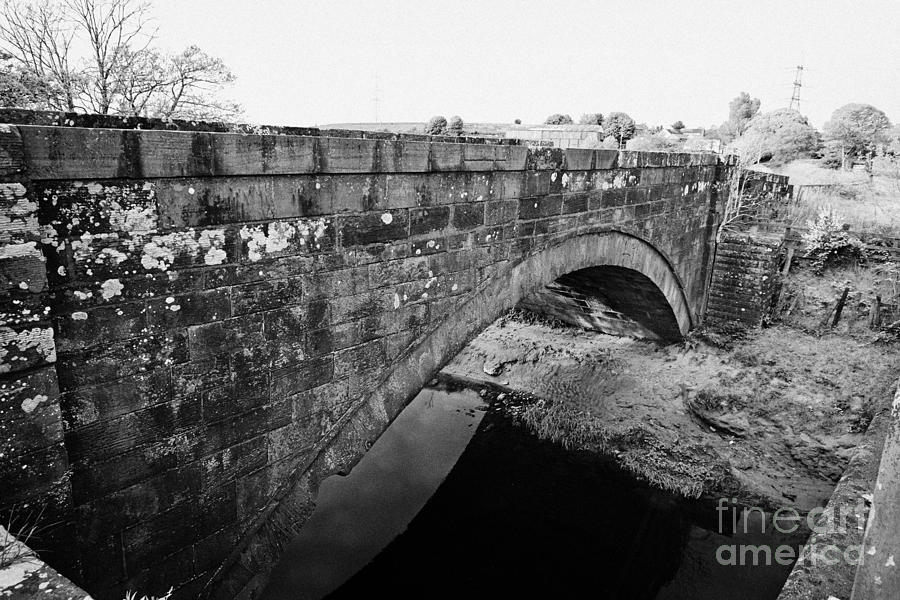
(38, 339)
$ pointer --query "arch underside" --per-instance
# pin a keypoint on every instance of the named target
(610, 299)
(611, 282)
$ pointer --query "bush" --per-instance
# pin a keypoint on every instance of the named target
(558, 119)
(456, 126)
(654, 142)
(829, 243)
(610, 142)
(591, 119)
(832, 156)
(436, 126)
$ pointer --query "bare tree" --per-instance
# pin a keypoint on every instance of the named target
(192, 81)
(38, 36)
(117, 32)
(120, 73)
(140, 84)
(739, 204)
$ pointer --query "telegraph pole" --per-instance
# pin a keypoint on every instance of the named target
(795, 97)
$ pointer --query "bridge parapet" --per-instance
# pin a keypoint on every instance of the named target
(226, 305)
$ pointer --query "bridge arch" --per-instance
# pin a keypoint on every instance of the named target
(632, 260)
(608, 249)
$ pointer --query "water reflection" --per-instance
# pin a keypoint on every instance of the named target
(358, 515)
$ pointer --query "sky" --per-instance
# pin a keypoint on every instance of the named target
(317, 62)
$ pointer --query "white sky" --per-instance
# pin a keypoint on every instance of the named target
(307, 62)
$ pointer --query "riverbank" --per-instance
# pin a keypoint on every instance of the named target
(771, 419)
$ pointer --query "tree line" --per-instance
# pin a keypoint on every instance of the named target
(856, 133)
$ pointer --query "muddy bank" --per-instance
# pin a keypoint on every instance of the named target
(772, 421)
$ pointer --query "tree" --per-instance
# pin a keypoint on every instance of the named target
(558, 119)
(19, 87)
(192, 80)
(778, 137)
(741, 110)
(119, 72)
(678, 126)
(860, 129)
(894, 140)
(591, 119)
(620, 126)
(518, 121)
(117, 32)
(37, 37)
(437, 125)
(455, 127)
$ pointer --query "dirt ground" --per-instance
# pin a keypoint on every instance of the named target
(771, 418)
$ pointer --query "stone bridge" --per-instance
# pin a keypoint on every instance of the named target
(200, 325)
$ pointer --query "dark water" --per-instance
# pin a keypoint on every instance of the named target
(437, 511)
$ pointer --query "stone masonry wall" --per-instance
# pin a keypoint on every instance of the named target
(33, 464)
(744, 280)
(221, 302)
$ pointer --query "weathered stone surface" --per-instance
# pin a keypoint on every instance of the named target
(240, 313)
(744, 279)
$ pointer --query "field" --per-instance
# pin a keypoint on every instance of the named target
(868, 203)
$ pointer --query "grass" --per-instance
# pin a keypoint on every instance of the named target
(17, 533)
(690, 471)
(870, 204)
(133, 596)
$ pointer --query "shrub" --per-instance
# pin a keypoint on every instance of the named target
(558, 119)
(591, 119)
(455, 126)
(828, 242)
(610, 142)
(833, 155)
(436, 126)
(133, 596)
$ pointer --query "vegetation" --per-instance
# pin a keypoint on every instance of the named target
(18, 86)
(620, 127)
(455, 126)
(437, 125)
(678, 126)
(133, 596)
(829, 243)
(778, 137)
(740, 112)
(867, 201)
(609, 142)
(558, 119)
(858, 131)
(591, 119)
(653, 142)
(19, 530)
(98, 56)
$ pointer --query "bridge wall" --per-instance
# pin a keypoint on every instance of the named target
(224, 304)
